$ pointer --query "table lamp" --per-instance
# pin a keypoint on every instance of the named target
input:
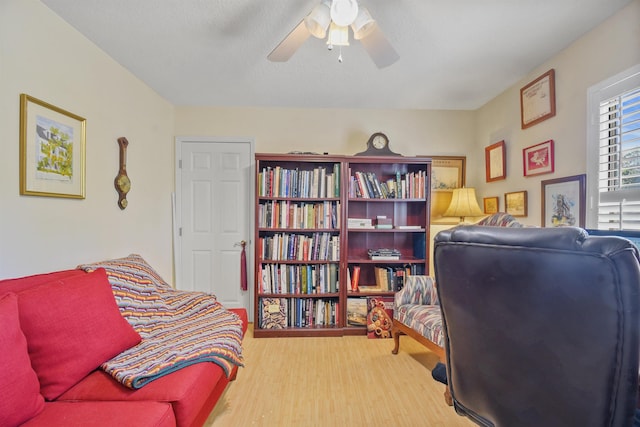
(463, 204)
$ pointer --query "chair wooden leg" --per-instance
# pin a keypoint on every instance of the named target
(447, 397)
(396, 340)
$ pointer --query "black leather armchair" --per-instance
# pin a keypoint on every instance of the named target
(541, 325)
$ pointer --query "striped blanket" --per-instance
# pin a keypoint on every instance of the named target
(178, 328)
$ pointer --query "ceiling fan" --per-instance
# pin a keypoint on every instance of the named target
(336, 16)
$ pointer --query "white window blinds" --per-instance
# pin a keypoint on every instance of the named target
(616, 107)
(619, 166)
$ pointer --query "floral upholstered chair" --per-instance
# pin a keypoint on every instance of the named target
(416, 313)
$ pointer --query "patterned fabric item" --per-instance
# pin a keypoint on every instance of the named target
(417, 290)
(500, 219)
(417, 306)
(178, 328)
(424, 319)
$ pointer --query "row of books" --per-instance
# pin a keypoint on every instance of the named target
(300, 247)
(298, 278)
(281, 313)
(388, 278)
(408, 186)
(287, 214)
(281, 182)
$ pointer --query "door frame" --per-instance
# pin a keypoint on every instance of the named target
(177, 208)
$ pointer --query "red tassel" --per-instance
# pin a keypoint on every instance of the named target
(243, 268)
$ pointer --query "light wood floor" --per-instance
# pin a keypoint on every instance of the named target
(348, 381)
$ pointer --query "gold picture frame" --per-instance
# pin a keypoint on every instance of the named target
(447, 174)
(491, 205)
(515, 203)
(52, 150)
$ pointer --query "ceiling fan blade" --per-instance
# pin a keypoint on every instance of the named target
(379, 48)
(290, 44)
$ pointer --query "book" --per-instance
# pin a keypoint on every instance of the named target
(384, 257)
(384, 226)
(356, 311)
(363, 289)
(382, 280)
(355, 278)
(409, 227)
(379, 317)
(273, 313)
(333, 278)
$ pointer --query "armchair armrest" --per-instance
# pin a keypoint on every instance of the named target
(417, 290)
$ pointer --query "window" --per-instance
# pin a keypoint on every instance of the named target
(613, 153)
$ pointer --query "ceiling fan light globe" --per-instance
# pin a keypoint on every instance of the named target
(363, 24)
(344, 12)
(318, 20)
(338, 35)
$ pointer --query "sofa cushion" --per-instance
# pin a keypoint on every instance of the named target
(20, 397)
(192, 391)
(72, 326)
(104, 414)
(19, 284)
(186, 389)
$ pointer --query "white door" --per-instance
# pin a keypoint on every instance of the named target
(214, 214)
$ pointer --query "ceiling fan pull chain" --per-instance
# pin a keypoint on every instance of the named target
(340, 55)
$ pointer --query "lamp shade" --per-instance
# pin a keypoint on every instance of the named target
(319, 19)
(363, 25)
(463, 204)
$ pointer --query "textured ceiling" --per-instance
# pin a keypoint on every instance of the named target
(455, 54)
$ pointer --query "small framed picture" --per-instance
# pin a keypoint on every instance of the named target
(52, 150)
(516, 203)
(538, 159)
(538, 100)
(495, 162)
(563, 201)
(491, 205)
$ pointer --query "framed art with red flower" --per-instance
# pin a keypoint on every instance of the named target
(538, 159)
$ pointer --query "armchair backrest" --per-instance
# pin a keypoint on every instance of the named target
(541, 325)
(417, 289)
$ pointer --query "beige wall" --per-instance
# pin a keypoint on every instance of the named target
(277, 130)
(605, 51)
(46, 58)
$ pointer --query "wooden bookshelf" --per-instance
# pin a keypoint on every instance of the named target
(306, 250)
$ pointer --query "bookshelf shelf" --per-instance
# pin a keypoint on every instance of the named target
(307, 291)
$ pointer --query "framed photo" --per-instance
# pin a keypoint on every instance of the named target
(538, 100)
(516, 203)
(538, 159)
(563, 201)
(447, 172)
(495, 161)
(52, 150)
(491, 205)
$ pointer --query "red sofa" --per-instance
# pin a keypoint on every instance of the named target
(57, 329)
